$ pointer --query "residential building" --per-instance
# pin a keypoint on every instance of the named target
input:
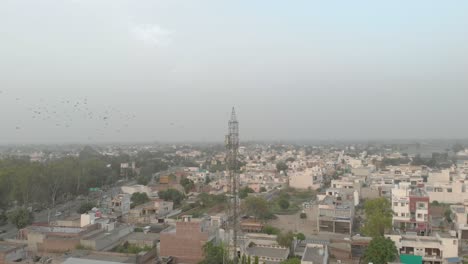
(336, 213)
(435, 249)
(264, 247)
(411, 209)
(185, 241)
(150, 212)
(460, 220)
(315, 255)
(448, 192)
(306, 178)
(121, 203)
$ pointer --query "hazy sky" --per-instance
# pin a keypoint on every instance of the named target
(171, 70)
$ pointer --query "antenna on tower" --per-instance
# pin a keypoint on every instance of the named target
(232, 148)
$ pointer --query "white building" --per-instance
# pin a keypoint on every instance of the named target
(306, 178)
(411, 209)
(433, 249)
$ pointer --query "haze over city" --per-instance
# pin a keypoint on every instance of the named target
(172, 70)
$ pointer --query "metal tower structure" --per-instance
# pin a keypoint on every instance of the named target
(232, 147)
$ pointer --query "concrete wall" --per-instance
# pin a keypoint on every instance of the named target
(11, 256)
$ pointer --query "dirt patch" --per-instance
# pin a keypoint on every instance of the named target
(294, 223)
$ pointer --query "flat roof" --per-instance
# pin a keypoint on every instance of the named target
(88, 261)
(6, 246)
(315, 255)
(279, 253)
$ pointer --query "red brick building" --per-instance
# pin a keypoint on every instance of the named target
(185, 242)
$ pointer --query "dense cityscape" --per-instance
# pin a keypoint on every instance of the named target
(233, 132)
(293, 203)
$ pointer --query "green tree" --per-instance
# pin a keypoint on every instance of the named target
(285, 239)
(300, 236)
(257, 207)
(244, 192)
(270, 230)
(20, 217)
(172, 195)
(263, 189)
(214, 254)
(448, 215)
(139, 198)
(85, 207)
(303, 216)
(378, 217)
(256, 260)
(281, 166)
(283, 203)
(381, 250)
(243, 259)
(249, 260)
(187, 184)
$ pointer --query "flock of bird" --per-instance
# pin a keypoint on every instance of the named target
(67, 112)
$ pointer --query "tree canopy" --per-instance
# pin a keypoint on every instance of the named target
(85, 207)
(283, 203)
(281, 166)
(214, 254)
(378, 217)
(257, 207)
(20, 217)
(48, 182)
(244, 192)
(171, 195)
(381, 250)
(139, 198)
(187, 184)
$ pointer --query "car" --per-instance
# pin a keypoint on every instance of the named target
(2, 231)
(58, 213)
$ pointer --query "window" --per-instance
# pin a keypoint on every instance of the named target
(419, 215)
(395, 204)
(449, 190)
(402, 204)
(403, 214)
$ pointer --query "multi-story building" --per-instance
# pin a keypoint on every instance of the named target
(411, 209)
(435, 249)
(185, 241)
(121, 203)
(336, 213)
(460, 220)
(150, 212)
(306, 178)
(448, 192)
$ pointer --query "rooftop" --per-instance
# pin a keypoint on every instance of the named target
(278, 253)
(314, 255)
(419, 192)
(5, 246)
(89, 261)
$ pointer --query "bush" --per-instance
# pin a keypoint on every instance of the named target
(284, 204)
(139, 198)
(20, 217)
(85, 207)
(270, 230)
(303, 215)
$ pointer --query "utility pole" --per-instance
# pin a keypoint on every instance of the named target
(232, 147)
